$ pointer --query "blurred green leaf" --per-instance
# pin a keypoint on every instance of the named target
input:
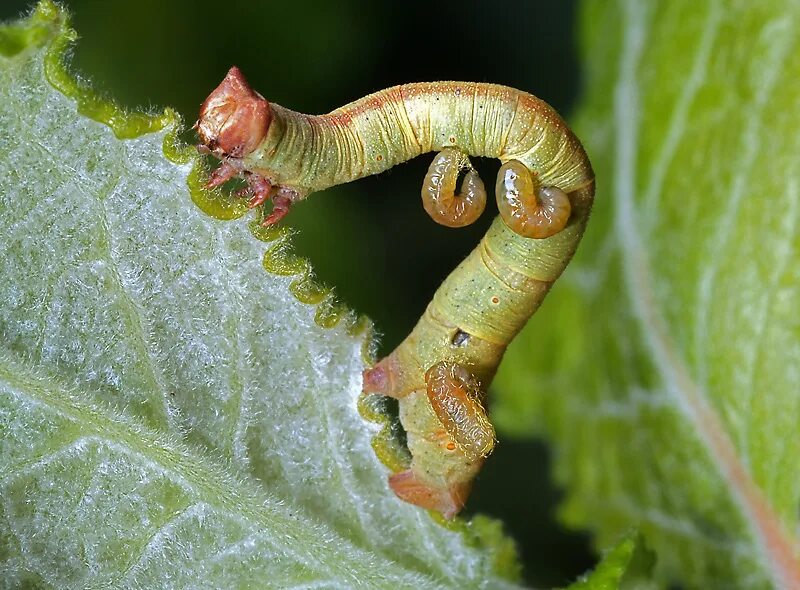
(665, 366)
(170, 414)
(626, 565)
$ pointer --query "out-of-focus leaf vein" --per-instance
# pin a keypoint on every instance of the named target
(664, 367)
(679, 117)
(778, 551)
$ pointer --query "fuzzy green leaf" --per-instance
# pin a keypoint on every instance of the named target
(171, 415)
(665, 366)
(627, 565)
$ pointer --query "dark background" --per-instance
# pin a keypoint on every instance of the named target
(371, 239)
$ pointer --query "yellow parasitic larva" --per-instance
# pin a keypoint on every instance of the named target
(456, 398)
(439, 196)
(528, 208)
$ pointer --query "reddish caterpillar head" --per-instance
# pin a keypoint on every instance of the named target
(234, 119)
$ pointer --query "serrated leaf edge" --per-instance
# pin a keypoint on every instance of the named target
(49, 24)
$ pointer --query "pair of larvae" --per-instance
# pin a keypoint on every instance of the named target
(528, 209)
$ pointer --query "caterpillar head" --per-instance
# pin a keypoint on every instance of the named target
(234, 119)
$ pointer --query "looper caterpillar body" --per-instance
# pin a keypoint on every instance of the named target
(544, 189)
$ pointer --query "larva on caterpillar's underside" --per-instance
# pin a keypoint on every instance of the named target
(545, 190)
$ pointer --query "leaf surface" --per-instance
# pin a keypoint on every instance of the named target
(665, 365)
(627, 565)
(170, 413)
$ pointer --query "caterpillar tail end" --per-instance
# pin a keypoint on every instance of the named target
(448, 501)
(448, 434)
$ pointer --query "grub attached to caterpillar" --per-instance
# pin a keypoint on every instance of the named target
(544, 190)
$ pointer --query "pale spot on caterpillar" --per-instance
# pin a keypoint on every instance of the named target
(439, 196)
(529, 209)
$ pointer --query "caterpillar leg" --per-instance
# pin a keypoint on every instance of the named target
(439, 196)
(257, 186)
(384, 379)
(281, 203)
(260, 189)
(529, 209)
(442, 469)
(222, 175)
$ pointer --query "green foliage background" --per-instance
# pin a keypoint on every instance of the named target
(371, 240)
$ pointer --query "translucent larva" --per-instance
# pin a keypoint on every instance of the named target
(456, 398)
(439, 197)
(529, 209)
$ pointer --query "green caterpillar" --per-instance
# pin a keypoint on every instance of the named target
(545, 190)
